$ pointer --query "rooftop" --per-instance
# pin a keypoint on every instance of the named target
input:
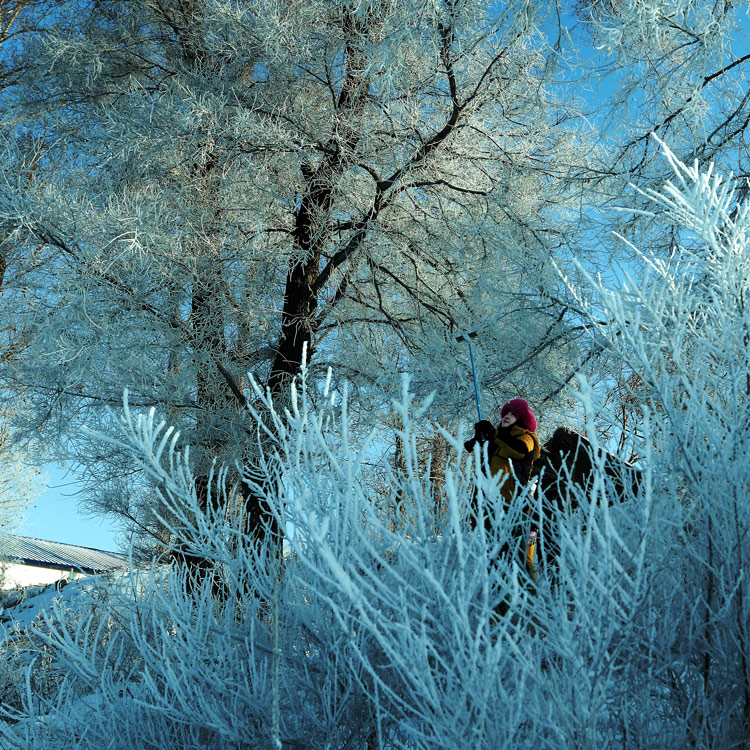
(44, 554)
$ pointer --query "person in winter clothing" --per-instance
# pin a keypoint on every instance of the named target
(512, 447)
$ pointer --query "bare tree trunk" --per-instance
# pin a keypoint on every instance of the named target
(438, 458)
(706, 664)
(298, 321)
(399, 464)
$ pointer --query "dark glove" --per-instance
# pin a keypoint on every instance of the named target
(483, 431)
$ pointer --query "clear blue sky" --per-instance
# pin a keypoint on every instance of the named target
(55, 516)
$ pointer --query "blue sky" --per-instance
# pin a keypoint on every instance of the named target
(55, 516)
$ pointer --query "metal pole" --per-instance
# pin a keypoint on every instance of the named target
(476, 389)
(467, 338)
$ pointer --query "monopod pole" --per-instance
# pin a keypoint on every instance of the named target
(467, 338)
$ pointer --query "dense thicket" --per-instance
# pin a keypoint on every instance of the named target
(197, 194)
(389, 627)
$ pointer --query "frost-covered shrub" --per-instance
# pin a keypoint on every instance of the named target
(368, 633)
(685, 331)
(377, 631)
(35, 665)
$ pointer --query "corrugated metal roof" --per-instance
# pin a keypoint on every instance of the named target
(24, 549)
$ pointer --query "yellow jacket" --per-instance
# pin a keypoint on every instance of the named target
(517, 448)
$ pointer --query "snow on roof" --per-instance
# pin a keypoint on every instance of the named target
(44, 554)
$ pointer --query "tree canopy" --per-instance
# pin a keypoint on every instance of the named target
(195, 191)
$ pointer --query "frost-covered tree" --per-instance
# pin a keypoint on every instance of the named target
(678, 69)
(194, 190)
(694, 56)
(20, 483)
(217, 185)
(17, 18)
(422, 635)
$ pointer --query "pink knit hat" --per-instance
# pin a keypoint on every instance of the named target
(520, 407)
